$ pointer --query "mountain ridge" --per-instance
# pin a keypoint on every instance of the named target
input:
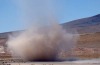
(85, 25)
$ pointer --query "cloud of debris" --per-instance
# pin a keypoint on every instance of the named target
(44, 39)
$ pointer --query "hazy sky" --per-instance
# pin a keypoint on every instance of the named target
(66, 10)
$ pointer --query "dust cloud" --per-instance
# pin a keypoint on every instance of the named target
(43, 39)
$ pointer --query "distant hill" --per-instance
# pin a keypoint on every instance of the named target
(4, 36)
(85, 25)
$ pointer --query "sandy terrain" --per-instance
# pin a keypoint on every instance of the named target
(55, 63)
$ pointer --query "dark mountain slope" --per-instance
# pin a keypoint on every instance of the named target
(85, 25)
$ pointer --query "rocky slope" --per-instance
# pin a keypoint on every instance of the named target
(85, 25)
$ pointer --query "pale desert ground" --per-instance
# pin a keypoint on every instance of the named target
(78, 62)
